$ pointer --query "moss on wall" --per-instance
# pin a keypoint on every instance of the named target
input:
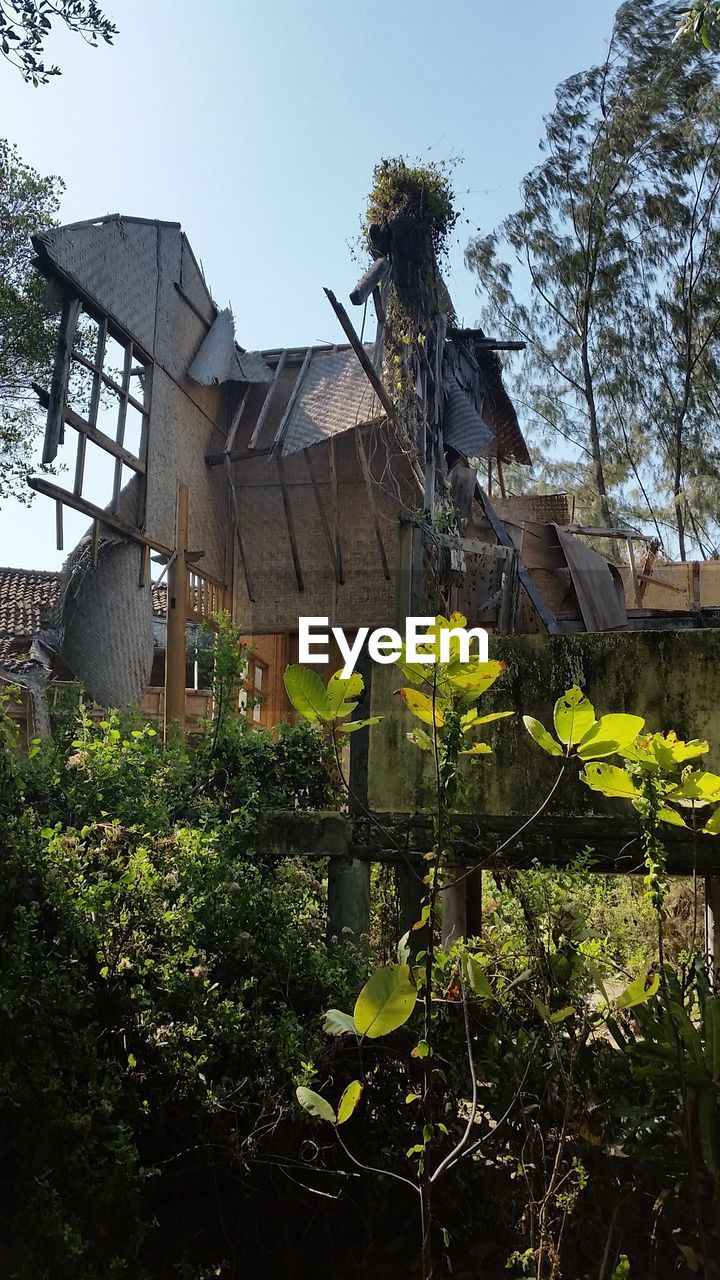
(670, 678)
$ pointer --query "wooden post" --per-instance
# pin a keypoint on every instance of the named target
(712, 924)
(176, 646)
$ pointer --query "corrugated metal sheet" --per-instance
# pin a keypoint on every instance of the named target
(334, 396)
(219, 359)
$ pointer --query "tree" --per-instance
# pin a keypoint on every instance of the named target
(700, 23)
(616, 240)
(27, 203)
(26, 24)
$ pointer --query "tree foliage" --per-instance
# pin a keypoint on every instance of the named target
(615, 284)
(26, 24)
(27, 203)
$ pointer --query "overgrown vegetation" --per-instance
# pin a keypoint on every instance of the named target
(165, 987)
(463, 1070)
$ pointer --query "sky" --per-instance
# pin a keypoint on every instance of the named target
(257, 125)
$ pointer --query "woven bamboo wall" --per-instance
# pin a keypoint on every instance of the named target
(365, 598)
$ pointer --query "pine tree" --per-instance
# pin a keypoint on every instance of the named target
(615, 277)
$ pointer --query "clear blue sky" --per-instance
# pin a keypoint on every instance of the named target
(256, 125)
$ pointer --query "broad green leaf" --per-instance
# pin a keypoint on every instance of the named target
(343, 694)
(337, 1023)
(573, 716)
(308, 694)
(608, 735)
(541, 736)
(316, 1105)
(349, 1100)
(671, 817)
(422, 706)
(471, 719)
(712, 826)
(477, 749)
(609, 780)
(476, 978)
(697, 787)
(350, 726)
(385, 1002)
(642, 988)
(421, 739)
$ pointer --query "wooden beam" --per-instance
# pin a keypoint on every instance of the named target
(285, 420)
(94, 512)
(268, 400)
(595, 531)
(238, 531)
(364, 359)
(509, 597)
(236, 422)
(105, 378)
(369, 280)
(372, 500)
(94, 407)
(539, 604)
(323, 515)
(235, 455)
(177, 611)
(290, 524)
(58, 386)
(98, 437)
(633, 569)
(335, 505)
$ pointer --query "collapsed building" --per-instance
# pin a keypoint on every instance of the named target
(292, 482)
(358, 482)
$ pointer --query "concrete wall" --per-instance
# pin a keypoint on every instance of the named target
(670, 678)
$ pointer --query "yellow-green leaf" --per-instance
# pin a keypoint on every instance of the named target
(471, 719)
(343, 694)
(697, 787)
(477, 749)
(349, 1100)
(385, 1002)
(351, 726)
(475, 678)
(642, 988)
(608, 735)
(666, 814)
(421, 739)
(573, 716)
(712, 826)
(609, 780)
(422, 707)
(541, 736)
(476, 978)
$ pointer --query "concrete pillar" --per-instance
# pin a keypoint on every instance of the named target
(712, 923)
(348, 883)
